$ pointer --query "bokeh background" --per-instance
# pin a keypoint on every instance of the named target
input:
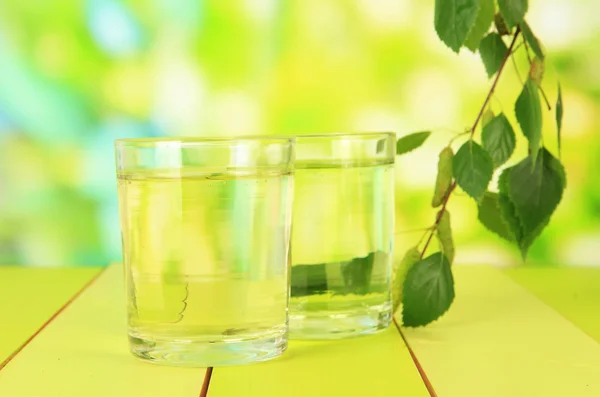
(75, 75)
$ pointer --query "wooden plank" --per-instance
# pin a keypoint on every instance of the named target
(30, 296)
(377, 365)
(84, 352)
(500, 340)
(573, 291)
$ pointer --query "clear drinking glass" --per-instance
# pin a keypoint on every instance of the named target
(342, 235)
(206, 228)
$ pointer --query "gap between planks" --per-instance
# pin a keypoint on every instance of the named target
(56, 314)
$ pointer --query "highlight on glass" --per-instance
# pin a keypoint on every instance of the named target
(342, 238)
(206, 231)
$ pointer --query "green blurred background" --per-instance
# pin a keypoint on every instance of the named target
(75, 75)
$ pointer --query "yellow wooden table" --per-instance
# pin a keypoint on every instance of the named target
(520, 332)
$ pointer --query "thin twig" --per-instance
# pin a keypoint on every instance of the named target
(527, 50)
(487, 99)
(447, 130)
(539, 86)
(517, 47)
(458, 136)
(438, 218)
(423, 229)
(421, 240)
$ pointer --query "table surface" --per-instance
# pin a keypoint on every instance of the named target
(515, 332)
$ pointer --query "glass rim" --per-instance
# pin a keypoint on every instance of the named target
(349, 135)
(150, 142)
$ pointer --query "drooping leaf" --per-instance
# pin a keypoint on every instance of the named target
(472, 168)
(490, 216)
(488, 116)
(559, 117)
(428, 291)
(523, 238)
(537, 70)
(532, 40)
(529, 238)
(498, 139)
(513, 11)
(492, 51)
(501, 27)
(529, 195)
(536, 189)
(484, 19)
(528, 110)
(411, 257)
(444, 234)
(410, 142)
(443, 179)
(507, 208)
(453, 21)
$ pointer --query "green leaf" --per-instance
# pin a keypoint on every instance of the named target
(529, 195)
(410, 142)
(498, 139)
(559, 117)
(513, 11)
(490, 216)
(528, 110)
(488, 116)
(536, 189)
(501, 27)
(472, 168)
(428, 291)
(492, 51)
(523, 238)
(484, 19)
(507, 208)
(411, 257)
(444, 177)
(444, 234)
(453, 21)
(532, 40)
(529, 237)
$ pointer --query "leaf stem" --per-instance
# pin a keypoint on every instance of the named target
(527, 50)
(512, 57)
(517, 47)
(539, 85)
(455, 137)
(438, 218)
(423, 229)
(499, 103)
(489, 96)
(545, 97)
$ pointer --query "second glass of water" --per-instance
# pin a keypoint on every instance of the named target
(342, 236)
(206, 229)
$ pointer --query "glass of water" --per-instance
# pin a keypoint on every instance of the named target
(343, 225)
(206, 229)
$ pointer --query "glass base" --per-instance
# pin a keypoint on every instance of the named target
(339, 324)
(191, 353)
